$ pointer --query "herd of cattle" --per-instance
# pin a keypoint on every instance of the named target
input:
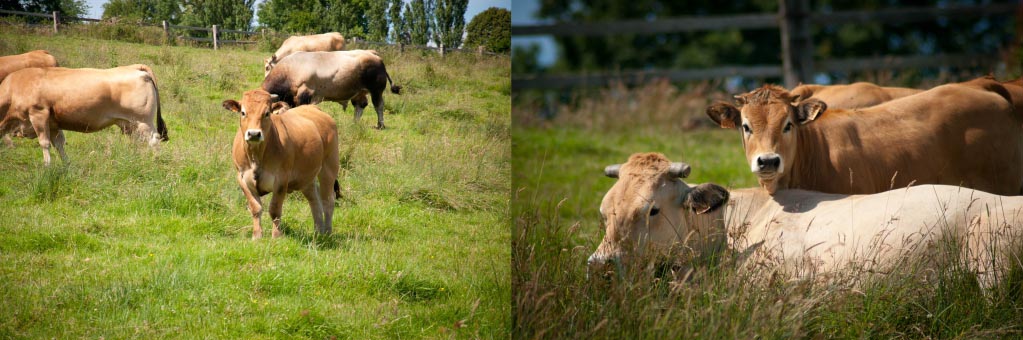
(284, 143)
(850, 176)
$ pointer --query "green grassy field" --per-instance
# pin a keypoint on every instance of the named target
(558, 185)
(127, 242)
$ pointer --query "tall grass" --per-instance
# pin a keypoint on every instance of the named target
(558, 184)
(129, 242)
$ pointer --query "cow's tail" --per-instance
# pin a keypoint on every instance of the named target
(161, 126)
(337, 190)
(396, 89)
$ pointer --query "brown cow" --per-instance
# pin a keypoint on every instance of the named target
(277, 150)
(37, 58)
(42, 102)
(852, 96)
(958, 134)
(305, 43)
(312, 77)
(651, 212)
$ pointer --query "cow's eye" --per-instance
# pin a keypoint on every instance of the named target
(746, 129)
(787, 127)
(654, 211)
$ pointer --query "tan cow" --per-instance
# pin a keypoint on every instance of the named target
(43, 102)
(852, 96)
(280, 150)
(11, 63)
(958, 134)
(651, 212)
(312, 77)
(305, 43)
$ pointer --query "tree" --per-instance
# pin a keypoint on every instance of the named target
(347, 17)
(376, 17)
(449, 22)
(67, 8)
(229, 14)
(417, 17)
(299, 16)
(145, 10)
(490, 29)
(397, 25)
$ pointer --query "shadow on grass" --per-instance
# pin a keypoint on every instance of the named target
(337, 240)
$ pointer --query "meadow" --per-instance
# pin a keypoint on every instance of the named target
(129, 242)
(558, 184)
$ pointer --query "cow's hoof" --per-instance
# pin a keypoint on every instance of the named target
(380, 126)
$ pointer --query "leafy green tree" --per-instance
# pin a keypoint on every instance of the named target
(297, 16)
(347, 17)
(397, 24)
(417, 17)
(145, 10)
(490, 29)
(376, 16)
(229, 14)
(449, 22)
(67, 8)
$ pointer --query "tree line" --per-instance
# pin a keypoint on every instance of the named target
(417, 22)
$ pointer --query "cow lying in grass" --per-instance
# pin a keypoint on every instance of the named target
(964, 134)
(280, 150)
(43, 102)
(650, 210)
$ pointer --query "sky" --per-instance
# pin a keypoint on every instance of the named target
(475, 7)
(523, 12)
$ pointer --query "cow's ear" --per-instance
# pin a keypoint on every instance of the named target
(725, 114)
(706, 198)
(809, 109)
(279, 108)
(232, 105)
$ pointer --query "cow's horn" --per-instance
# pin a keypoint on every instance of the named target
(612, 170)
(679, 169)
(274, 98)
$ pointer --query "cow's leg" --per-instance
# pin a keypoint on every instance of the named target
(58, 141)
(146, 133)
(276, 206)
(360, 103)
(378, 103)
(42, 130)
(316, 207)
(327, 177)
(255, 207)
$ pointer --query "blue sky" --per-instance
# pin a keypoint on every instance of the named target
(475, 7)
(522, 13)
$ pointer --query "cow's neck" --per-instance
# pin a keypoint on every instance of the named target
(812, 156)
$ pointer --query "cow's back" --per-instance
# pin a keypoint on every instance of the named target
(330, 75)
(37, 58)
(955, 134)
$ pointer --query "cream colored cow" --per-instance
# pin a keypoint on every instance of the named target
(650, 210)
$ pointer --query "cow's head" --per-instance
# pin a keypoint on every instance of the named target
(255, 108)
(650, 209)
(768, 119)
(268, 64)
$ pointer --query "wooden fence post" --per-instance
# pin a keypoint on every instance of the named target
(56, 21)
(441, 49)
(479, 50)
(796, 45)
(214, 37)
(401, 47)
(166, 32)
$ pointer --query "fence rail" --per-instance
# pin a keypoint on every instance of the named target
(792, 20)
(215, 32)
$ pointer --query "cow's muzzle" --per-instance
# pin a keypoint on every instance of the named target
(766, 164)
(254, 135)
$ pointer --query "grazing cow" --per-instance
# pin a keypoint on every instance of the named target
(43, 102)
(37, 58)
(305, 43)
(650, 212)
(280, 150)
(957, 134)
(852, 96)
(312, 77)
